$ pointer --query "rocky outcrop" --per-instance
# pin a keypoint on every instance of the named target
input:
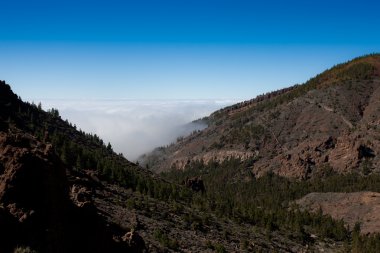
(33, 191)
(41, 209)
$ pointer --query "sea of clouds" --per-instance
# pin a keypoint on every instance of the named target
(135, 127)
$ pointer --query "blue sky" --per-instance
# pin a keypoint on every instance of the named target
(177, 49)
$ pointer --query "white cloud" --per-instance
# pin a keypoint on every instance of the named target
(135, 127)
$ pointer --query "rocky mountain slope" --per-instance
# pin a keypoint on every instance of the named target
(332, 122)
(53, 209)
(48, 205)
(63, 190)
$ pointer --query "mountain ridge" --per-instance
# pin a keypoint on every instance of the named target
(302, 127)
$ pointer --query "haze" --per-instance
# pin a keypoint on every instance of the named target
(135, 127)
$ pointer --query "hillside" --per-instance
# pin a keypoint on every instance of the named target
(313, 146)
(63, 190)
(330, 123)
(46, 207)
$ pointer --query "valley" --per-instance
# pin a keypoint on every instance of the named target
(293, 170)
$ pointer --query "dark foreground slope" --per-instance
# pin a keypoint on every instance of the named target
(41, 209)
(331, 121)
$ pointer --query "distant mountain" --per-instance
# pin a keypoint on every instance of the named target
(329, 123)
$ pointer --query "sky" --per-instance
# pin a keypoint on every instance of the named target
(180, 49)
(177, 50)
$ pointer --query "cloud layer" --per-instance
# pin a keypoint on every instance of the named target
(135, 127)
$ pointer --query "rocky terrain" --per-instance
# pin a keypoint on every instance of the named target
(44, 209)
(49, 208)
(333, 121)
(313, 146)
(169, 227)
(53, 201)
(356, 207)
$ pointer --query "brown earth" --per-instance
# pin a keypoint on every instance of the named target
(362, 207)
